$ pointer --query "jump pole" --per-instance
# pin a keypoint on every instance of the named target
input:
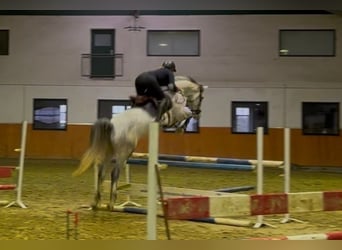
(287, 171)
(153, 144)
(204, 159)
(210, 220)
(260, 173)
(321, 236)
(260, 177)
(287, 157)
(20, 168)
(203, 165)
(252, 205)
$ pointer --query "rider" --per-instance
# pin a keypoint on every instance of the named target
(153, 84)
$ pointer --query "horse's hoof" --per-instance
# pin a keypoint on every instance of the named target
(94, 206)
(110, 207)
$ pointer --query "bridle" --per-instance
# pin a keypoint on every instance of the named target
(197, 112)
(195, 109)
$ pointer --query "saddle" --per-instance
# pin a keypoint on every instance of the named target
(161, 106)
(141, 100)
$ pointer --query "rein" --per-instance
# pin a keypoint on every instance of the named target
(198, 110)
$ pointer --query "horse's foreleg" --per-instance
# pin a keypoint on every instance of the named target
(100, 177)
(114, 184)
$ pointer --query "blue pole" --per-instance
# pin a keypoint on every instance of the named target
(188, 164)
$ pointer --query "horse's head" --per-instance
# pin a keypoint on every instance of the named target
(193, 91)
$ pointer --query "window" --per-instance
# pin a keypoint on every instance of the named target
(173, 43)
(247, 116)
(320, 118)
(4, 42)
(307, 43)
(191, 127)
(109, 108)
(50, 114)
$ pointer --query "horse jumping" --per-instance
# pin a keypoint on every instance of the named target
(117, 138)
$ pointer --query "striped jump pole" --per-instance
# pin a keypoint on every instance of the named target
(287, 172)
(232, 161)
(209, 220)
(260, 174)
(320, 236)
(74, 229)
(251, 205)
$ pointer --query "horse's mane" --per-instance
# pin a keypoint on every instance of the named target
(188, 78)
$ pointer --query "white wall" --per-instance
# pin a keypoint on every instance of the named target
(239, 61)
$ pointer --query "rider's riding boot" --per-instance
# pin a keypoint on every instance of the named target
(163, 106)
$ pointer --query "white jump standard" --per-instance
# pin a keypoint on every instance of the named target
(6, 171)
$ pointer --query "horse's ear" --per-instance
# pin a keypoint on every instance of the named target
(192, 79)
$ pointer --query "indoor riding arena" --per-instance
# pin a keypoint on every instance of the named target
(49, 191)
(250, 148)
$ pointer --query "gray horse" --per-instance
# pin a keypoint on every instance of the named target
(117, 138)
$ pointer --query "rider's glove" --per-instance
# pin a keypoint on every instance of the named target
(172, 87)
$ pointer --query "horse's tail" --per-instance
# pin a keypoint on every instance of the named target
(101, 146)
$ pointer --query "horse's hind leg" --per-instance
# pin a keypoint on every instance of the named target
(100, 177)
(114, 184)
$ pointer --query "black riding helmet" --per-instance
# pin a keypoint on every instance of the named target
(169, 65)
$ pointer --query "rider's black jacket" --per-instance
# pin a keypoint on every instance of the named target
(149, 83)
